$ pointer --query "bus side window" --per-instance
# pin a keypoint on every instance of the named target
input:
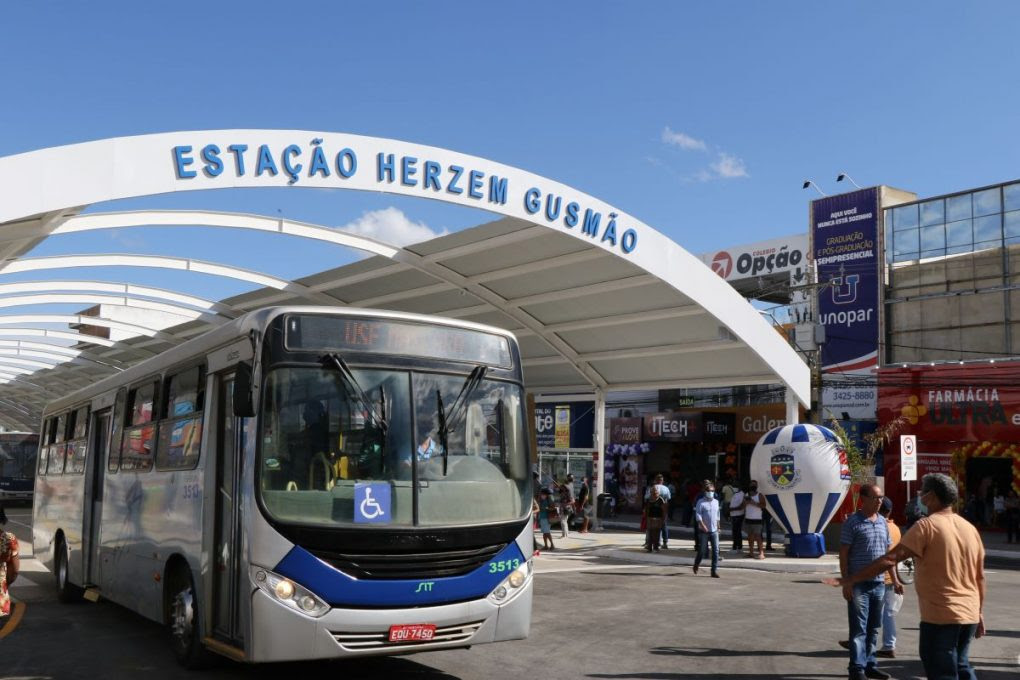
(55, 465)
(113, 462)
(180, 432)
(44, 445)
(77, 448)
(139, 435)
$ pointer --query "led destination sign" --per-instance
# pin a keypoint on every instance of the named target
(314, 332)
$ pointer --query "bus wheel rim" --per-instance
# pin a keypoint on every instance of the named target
(182, 616)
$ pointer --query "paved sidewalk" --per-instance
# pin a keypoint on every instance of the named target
(621, 538)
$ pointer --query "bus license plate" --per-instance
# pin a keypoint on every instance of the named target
(413, 632)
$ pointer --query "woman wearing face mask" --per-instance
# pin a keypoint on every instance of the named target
(754, 503)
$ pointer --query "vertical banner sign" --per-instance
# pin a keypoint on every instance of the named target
(562, 427)
(545, 427)
(845, 243)
(908, 457)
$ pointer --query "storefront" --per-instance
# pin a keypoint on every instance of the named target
(566, 444)
(967, 420)
(685, 446)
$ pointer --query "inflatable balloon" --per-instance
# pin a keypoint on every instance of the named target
(803, 472)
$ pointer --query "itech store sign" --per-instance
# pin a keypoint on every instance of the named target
(673, 427)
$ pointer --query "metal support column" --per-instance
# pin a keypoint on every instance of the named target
(792, 408)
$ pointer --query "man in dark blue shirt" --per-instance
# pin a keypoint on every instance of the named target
(864, 538)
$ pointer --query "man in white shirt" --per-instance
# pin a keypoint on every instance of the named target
(737, 517)
(706, 514)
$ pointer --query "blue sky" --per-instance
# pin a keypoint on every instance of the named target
(702, 119)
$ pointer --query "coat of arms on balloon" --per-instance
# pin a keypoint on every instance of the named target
(804, 474)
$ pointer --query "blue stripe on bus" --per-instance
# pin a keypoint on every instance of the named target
(830, 505)
(771, 437)
(803, 501)
(800, 434)
(339, 589)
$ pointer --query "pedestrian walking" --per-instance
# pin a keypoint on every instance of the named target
(865, 538)
(950, 580)
(706, 513)
(584, 505)
(566, 508)
(655, 517)
(754, 503)
(545, 508)
(737, 517)
(667, 497)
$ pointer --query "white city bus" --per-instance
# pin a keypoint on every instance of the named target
(300, 483)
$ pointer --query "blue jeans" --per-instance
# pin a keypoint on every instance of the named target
(864, 613)
(944, 649)
(665, 532)
(704, 539)
(889, 619)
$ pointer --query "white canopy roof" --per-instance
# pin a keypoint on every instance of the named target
(590, 314)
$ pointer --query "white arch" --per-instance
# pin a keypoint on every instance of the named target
(124, 289)
(119, 301)
(52, 180)
(81, 319)
(57, 358)
(31, 264)
(184, 218)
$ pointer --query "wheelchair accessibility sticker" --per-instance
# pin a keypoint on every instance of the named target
(371, 503)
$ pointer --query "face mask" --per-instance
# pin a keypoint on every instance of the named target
(709, 494)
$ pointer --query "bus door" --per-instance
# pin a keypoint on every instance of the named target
(227, 547)
(99, 443)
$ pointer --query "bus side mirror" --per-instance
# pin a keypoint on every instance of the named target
(242, 396)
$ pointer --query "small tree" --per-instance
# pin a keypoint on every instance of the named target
(862, 462)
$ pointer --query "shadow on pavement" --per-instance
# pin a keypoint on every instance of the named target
(716, 676)
(708, 652)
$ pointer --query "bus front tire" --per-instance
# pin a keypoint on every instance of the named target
(182, 619)
(67, 592)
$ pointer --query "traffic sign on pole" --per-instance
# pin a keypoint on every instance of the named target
(908, 457)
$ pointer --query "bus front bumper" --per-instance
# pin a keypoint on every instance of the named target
(283, 634)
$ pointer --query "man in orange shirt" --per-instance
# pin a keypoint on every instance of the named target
(950, 580)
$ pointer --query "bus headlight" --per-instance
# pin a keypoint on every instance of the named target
(289, 593)
(511, 585)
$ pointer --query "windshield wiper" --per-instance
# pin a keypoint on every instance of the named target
(357, 392)
(449, 423)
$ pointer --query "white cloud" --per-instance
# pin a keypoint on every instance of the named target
(679, 139)
(728, 166)
(391, 226)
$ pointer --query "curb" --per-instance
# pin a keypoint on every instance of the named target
(772, 564)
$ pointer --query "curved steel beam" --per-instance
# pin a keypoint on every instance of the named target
(203, 218)
(124, 289)
(32, 264)
(116, 301)
(58, 351)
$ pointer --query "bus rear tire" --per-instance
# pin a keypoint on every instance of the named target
(67, 592)
(182, 616)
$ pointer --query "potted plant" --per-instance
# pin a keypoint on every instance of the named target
(862, 459)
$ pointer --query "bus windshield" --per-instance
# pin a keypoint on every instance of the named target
(328, 435)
